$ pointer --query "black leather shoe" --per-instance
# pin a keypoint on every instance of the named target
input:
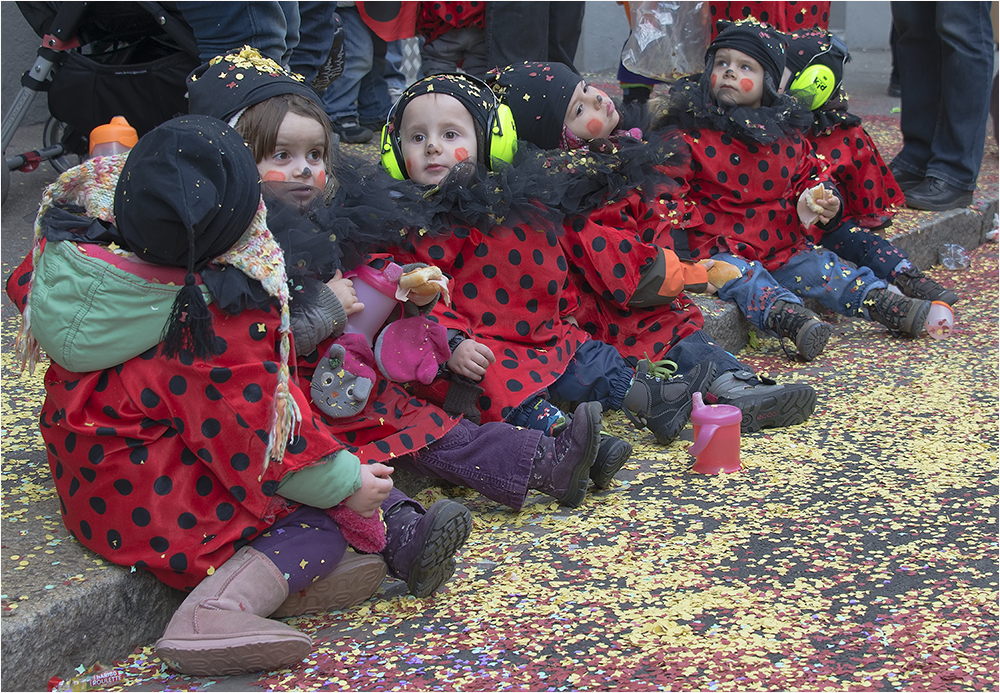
(905, 179)
(936, 195)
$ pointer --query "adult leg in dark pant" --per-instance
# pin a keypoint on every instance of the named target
(945, 58)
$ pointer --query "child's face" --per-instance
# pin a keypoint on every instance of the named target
(737, 79)
(298, 157)
(436, 132)
(591, 114)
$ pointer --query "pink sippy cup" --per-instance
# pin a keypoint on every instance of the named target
(716, 437)
(940, 320)
(377, 290)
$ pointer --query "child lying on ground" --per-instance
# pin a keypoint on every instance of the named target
(630, 290)
(760, 189)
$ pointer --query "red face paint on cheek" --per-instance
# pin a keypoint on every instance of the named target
(714, 77)
(461, 154)
(746, 84)
(409, 166)
(594, 126)
(321, 179)
(275, 176)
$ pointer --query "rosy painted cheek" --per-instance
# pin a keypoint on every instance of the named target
(321, 179)
(714, 77)
(461, 154)
(275, 176)
(409, 166)
(594, 126)
(746, 85)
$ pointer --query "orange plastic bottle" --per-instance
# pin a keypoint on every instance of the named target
(112, 138)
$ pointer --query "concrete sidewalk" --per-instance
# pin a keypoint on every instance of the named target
(63, 607)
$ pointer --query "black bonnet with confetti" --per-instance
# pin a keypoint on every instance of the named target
(192, 176)
(477, 98)
(761, 42)
(538, 95)
(231, 83)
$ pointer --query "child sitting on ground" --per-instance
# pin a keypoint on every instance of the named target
(195, 454)
(288, 134)
(814, 74)
(512, 292)
(630, 290)
(759, 189)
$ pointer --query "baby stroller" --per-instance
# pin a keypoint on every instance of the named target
(99, 60)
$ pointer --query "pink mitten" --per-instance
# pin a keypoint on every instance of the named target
(412, 349)
(365, 534)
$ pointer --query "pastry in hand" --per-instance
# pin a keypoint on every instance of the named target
(425, 281)
(722, 272)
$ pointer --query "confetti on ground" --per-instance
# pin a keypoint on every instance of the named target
(856, 551)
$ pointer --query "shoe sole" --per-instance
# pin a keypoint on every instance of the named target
(579, 481)
(612, 455)
(356, 578)
(789, 406)
(919, 322)
(435, 562)
(238, 654)
(814, 340)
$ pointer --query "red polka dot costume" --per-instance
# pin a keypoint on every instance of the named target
(524, 329)
(210, 426)
(783, 16)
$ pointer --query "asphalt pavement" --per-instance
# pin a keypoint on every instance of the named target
(64, 608)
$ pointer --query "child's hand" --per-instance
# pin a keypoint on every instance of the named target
(343, 289)
(471, 359)
(375, 487)
(817, 205)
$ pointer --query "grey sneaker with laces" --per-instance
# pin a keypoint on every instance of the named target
(764, 403)
(899, 313)
(661, 401)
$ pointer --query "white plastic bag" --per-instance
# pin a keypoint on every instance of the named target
(668, 39)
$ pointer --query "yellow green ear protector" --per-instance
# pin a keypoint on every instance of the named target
(816, 82)
(501, 139)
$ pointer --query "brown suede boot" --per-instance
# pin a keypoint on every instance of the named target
(222, 627)
(357, 577)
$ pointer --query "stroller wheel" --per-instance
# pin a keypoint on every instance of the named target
(55, 132)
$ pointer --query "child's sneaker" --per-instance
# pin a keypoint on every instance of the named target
(898, 313)
(809, 332)
(915, 284)
(662, 403)
(764, 403)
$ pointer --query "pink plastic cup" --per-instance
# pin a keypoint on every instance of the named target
(716, 444)
(377, 290)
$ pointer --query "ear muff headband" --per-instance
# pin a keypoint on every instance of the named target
(501, 135)
(817, 82)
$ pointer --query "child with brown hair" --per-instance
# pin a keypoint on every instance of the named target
(383, 422)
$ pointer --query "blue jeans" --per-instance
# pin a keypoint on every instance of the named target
(817, 274)
(597, 373)
(360, 93)
(316, 31)
(945, 59)
(219, 27)
(866, 249)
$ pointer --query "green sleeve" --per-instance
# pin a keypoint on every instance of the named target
(326, 484)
